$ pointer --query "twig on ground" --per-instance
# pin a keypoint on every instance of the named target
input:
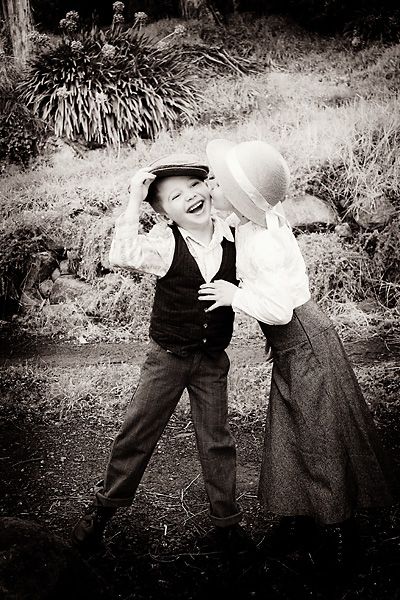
(28, 460)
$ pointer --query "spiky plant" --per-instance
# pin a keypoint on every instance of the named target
(109, 87)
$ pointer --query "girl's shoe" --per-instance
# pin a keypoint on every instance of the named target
(340, 548)
(87, 535)
(297, 533)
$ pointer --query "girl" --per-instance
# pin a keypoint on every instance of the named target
(321, 459)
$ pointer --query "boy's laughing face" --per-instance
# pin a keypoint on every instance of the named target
(186, 200)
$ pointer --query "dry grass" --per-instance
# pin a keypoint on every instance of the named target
(332, 113)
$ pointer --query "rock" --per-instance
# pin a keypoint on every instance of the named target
(373, 213)
(37, 565)
(55, 274)
(45, 287)
(29, 299)
(67, 287)
(343, 230)
(40, 268)
(309, 210)
(73, 260)
(64, 267)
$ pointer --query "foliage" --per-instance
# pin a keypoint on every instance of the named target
(110, 87)
(368, 20)
(17, 247)
(22, 135)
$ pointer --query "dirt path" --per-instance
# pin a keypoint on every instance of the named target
(67, 354)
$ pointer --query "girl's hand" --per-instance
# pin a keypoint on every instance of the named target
(220, 292)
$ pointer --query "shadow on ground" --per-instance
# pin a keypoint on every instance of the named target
(152, 551)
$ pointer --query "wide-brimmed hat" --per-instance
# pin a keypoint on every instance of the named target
(253, 176)
(176, 164)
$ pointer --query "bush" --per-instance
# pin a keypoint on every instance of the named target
(110, 87)
(17, 248)
(22, 135)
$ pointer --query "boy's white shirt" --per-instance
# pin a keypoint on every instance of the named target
(154, 252)
(270, 267)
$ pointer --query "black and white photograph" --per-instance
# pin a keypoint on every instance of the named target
(199, 300)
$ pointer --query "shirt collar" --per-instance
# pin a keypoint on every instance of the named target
(221, 231)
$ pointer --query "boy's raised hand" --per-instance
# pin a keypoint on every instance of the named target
(220, 292)
(138, 190)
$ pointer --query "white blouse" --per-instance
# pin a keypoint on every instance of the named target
(271, 270)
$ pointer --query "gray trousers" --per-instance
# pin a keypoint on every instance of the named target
(163, 378)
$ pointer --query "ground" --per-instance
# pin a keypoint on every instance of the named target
(49, 466)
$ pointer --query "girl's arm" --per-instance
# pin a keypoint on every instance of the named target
(268, 301)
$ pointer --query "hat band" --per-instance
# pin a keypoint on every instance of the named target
(244, 183)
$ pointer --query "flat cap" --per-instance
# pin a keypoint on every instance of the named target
(179, 164)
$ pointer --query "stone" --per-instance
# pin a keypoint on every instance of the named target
(40, 268)
(66, 288)
(306, 210)
(37, 565)
(45, 287)
(343, 230)
(64, 267)
(372, 213)
(55, 274)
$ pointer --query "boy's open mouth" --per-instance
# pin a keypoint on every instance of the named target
(196, 208)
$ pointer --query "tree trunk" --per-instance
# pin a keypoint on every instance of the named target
(190, 9)
(19, 18)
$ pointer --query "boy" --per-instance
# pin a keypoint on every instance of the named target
(187, 344)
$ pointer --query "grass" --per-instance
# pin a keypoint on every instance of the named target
(332, 112)
(63, 393)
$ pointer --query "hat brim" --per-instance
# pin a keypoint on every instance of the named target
(217, 151)
(190, 170)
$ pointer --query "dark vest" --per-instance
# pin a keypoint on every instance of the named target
(179, 322)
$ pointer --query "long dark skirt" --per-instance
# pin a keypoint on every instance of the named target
(321, 454)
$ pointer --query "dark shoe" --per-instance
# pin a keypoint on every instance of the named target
(231, 540)
(298, 533)
(340, 547)
(89, 530)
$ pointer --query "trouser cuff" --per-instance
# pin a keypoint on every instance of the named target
(101, 500)
(226, 521)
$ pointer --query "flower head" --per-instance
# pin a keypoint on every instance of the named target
(101, 97)
(76, 46)
(118, 7)
(118, 18)
(180, 30)
(108, 50)
(62, 92)
(72, 15)
(70, 22)
(39, 39)
(141, 17)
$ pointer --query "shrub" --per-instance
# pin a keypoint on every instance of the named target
(17, 248)
(22, 135)
(336, 269)
(110, 87)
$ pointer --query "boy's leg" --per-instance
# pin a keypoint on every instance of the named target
(162, 381)
(217, 450)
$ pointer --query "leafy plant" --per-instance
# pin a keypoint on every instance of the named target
(22, 134)
(110, 87)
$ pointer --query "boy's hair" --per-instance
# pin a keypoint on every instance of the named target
(153, 197)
